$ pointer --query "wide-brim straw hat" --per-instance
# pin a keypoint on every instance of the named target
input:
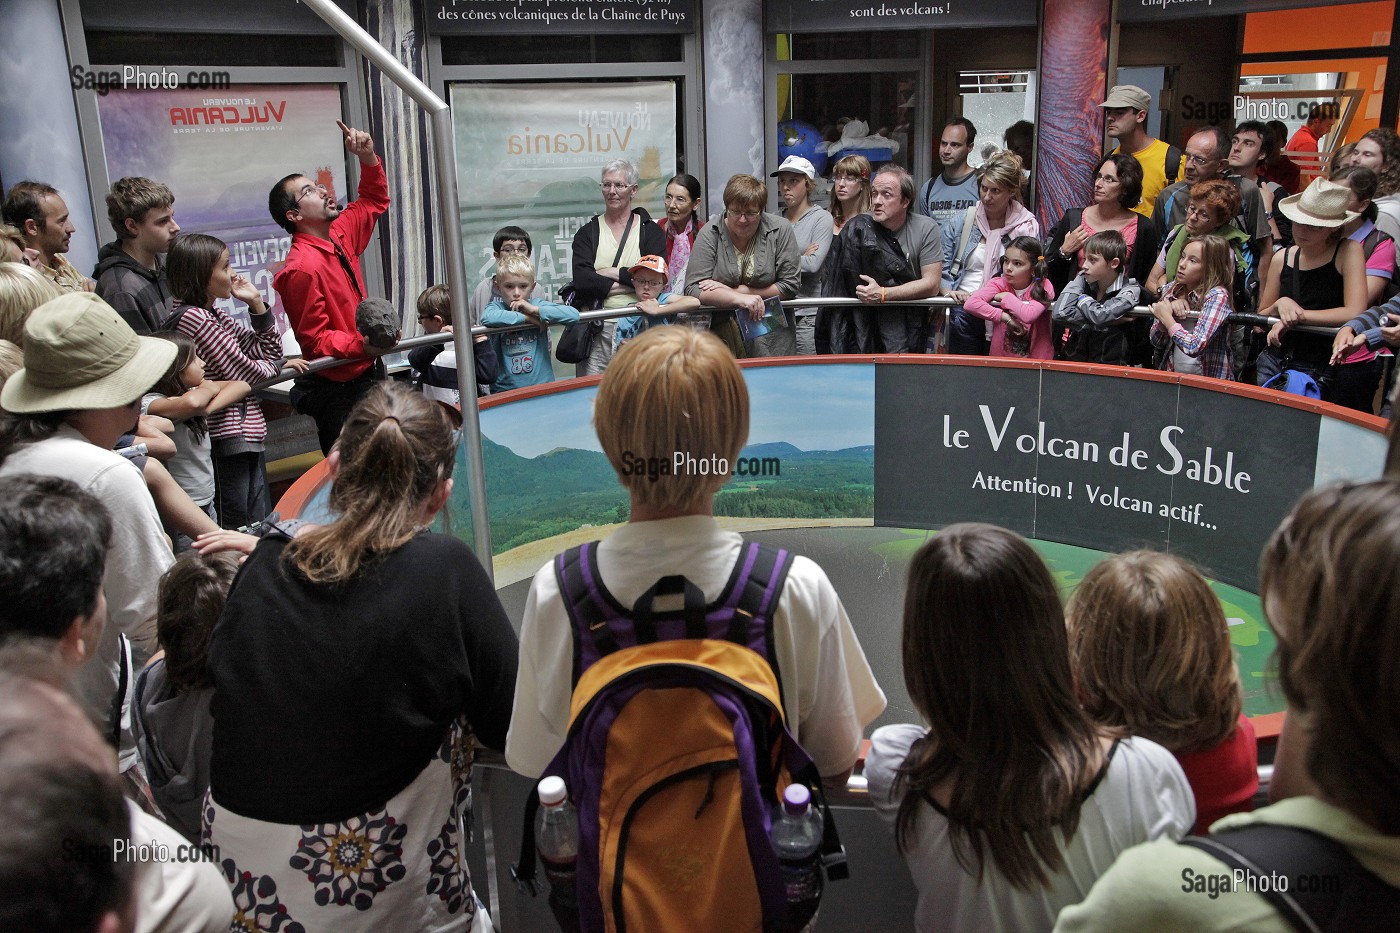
(1322, 204)
(79, 354)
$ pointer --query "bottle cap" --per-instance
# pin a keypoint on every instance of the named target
(552, 791)
(796, 798)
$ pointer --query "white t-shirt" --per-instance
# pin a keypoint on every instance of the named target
(829, 692)
(1143, 795)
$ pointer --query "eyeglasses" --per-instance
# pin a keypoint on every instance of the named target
(745, 215)
(1107, 179)
(311, 189)
(521, 250)
(1198, 159)
(614, 186)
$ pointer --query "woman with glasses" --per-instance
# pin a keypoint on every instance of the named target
(604, 249)
(1211, 206)
(1117, 182)
(355, 665)
(742, 257)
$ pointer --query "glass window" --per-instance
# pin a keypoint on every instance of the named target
(993, 100)
(824, 117)
(159, 48)
(829, 46)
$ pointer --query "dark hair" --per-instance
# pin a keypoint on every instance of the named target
(1268, 143)
(967, 126)
(1020, 138)
(1329, 579)
(986, 663)
(395, 448)
(1033, 248)
(1363, 183)
(1110, 245)
(1129, 177)
(1280, 131)
(1323, 111)
(172, 386)
(190, 264)
(18, 430)
(191, 596)
(23, 203)
(436, 300)
(280, 201)
(689, 182)
(512, 233)
(1388, 178)
(53, 550)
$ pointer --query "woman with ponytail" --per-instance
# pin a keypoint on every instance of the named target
(353, 666)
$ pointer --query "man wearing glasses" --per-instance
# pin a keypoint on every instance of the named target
(1207, 158)
(321, 284)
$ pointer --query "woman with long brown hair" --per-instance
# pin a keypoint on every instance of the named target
(1012, 802)
(1151, 655)
(353, 664)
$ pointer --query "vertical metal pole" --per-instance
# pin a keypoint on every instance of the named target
(443, 150)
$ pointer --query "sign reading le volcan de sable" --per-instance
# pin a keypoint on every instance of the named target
(563, 17)
(837, 15)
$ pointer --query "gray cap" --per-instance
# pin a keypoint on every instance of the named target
(1128, 95)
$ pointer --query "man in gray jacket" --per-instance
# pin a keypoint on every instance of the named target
(130, 273)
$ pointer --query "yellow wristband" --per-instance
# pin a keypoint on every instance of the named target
(882, 294)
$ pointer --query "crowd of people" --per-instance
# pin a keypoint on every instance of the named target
(292, 708)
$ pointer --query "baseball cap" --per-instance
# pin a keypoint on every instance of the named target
(798, 165)
(654, 263)
(80, 354)
(1128, 95)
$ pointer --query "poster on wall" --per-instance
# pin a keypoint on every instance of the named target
(866, 15)
(220, 153)
(563, 17)
(531, 155)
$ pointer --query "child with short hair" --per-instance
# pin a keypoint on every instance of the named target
(655, 304)
(1095, 305)
(170, 706)
(436, 365)
(509, 240)
(524, 354)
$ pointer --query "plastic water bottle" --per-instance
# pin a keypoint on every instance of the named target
(556, 840)
(797, 838)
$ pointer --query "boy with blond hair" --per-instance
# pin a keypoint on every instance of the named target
(524, 355)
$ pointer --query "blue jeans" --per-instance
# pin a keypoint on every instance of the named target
(967, 333)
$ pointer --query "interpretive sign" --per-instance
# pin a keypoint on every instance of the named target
(1149, 11)
(505, 17)
(838, 15)
(1088, 460)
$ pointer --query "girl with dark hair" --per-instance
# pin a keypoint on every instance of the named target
(1151, 655)
(197, 269)
(1012, 802)
(1117, 182)
(1016, 302)
(353, 665)
(681, 224)
(1377, 246)
(185, 397)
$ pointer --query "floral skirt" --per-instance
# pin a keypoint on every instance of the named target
(400, 867)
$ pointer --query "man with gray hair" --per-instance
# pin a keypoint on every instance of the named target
(888, 255)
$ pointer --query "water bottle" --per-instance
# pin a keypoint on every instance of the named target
(797, 838)
(556, 841)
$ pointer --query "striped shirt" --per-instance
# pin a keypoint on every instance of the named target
(1208, 343)
(234, 351)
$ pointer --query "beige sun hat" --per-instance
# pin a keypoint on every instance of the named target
(80, 354)
(1322, 204)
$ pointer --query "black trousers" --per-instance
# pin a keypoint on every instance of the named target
(329, 403)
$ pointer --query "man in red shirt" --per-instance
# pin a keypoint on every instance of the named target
(321, 284)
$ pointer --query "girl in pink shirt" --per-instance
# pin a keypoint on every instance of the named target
(1016, 302)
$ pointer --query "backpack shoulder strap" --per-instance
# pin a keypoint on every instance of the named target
(1172, 167)
(924, 194)
(1326, 887)
(969, 221)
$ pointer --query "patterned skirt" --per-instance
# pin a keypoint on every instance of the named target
(400, 867)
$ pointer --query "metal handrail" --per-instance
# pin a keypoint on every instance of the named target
(419, 340)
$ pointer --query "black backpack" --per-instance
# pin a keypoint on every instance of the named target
(1311, 880)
